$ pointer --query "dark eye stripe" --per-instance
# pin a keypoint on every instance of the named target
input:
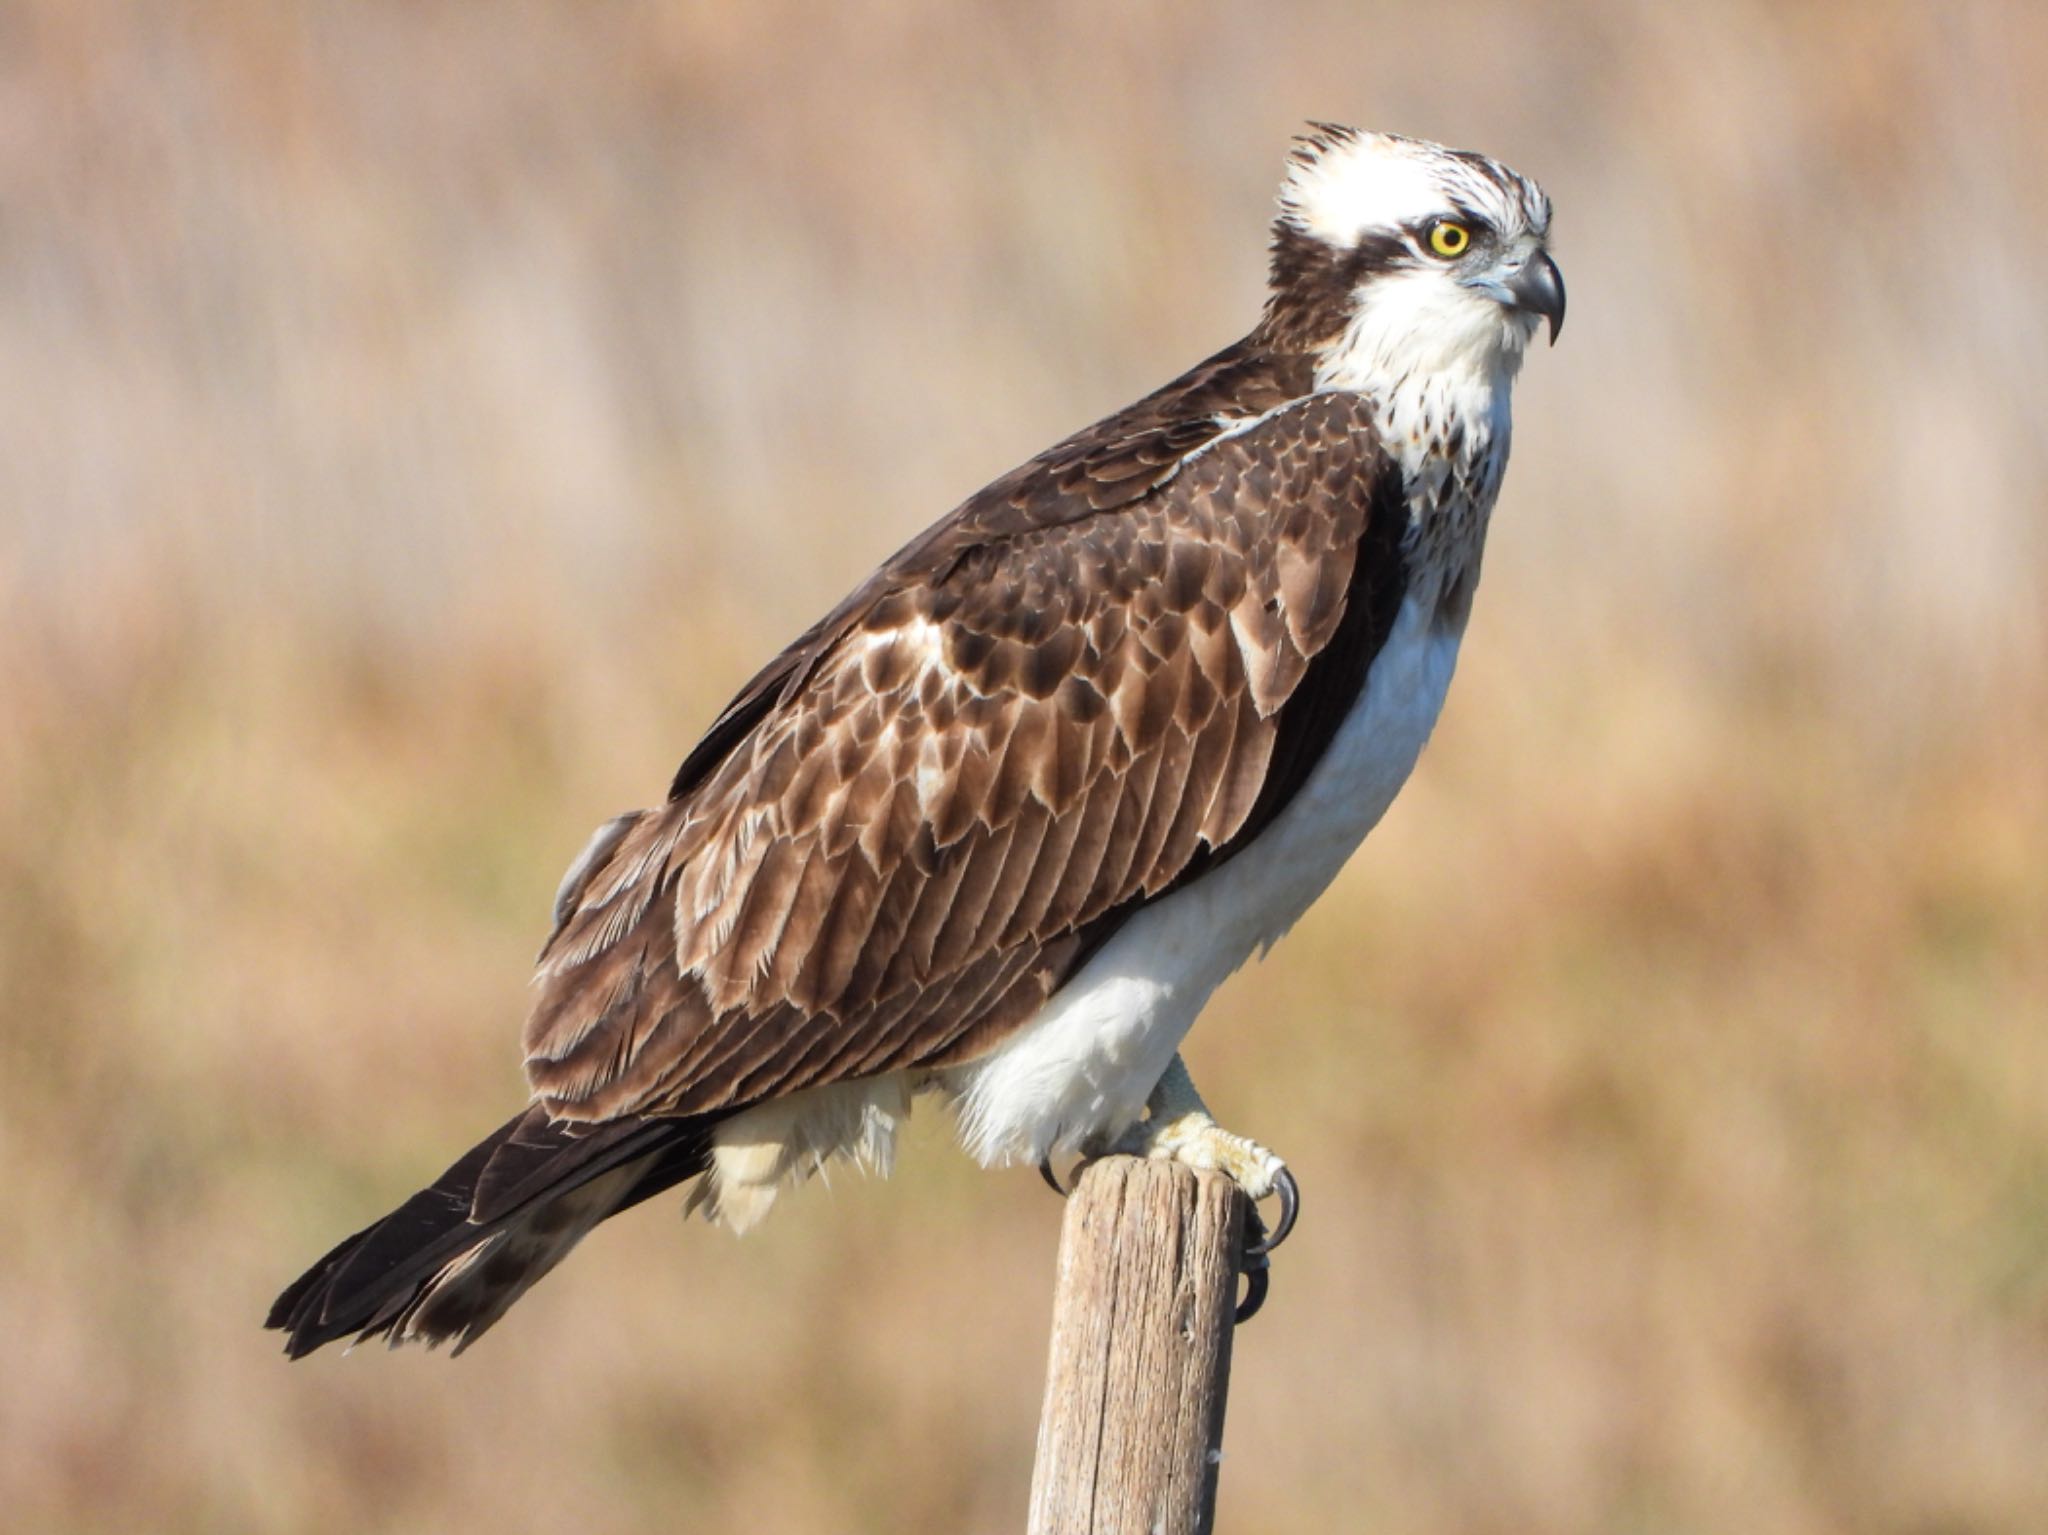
(1375, 253)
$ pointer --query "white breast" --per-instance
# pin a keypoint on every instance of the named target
(1085, 1065)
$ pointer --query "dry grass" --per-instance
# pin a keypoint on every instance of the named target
(417, 418)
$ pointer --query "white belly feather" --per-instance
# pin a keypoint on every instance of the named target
(1087, 1062)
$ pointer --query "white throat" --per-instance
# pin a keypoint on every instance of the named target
(1438, 364)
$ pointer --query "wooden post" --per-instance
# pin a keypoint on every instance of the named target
(1131, 1436)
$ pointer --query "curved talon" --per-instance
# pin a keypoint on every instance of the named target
(1256, 1282)
(1045, 1171)
(1252, 1264)
(1290, 1207)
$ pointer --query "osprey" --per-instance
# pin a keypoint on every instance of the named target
(998, 824)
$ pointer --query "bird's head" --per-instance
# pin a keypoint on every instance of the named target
(1394, 257)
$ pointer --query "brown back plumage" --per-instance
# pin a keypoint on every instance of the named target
(1054, 705)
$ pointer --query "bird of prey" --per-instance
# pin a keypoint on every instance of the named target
(996, 826)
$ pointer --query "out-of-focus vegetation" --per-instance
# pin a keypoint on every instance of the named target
(416, 419)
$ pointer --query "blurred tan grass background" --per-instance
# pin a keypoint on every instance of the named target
(416, 419)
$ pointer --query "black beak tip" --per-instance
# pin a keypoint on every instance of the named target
(1539, 289)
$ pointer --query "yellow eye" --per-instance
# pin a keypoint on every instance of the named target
(1447, 238)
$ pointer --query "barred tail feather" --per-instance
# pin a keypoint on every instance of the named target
(451, 1260)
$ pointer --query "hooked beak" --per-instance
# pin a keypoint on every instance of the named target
(1539, 289)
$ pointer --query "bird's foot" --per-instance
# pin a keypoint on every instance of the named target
(1248, 1164)
(1195, 1140)
(1178, 1127)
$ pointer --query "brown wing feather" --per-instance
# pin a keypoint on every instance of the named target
(1070, 696)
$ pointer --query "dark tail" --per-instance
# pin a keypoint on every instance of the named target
(448, 1262)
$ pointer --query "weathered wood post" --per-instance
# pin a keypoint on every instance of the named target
(1131, 1436)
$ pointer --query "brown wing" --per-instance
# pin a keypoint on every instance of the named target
(1091, 683)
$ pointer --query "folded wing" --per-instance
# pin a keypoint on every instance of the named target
(1089, 685)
